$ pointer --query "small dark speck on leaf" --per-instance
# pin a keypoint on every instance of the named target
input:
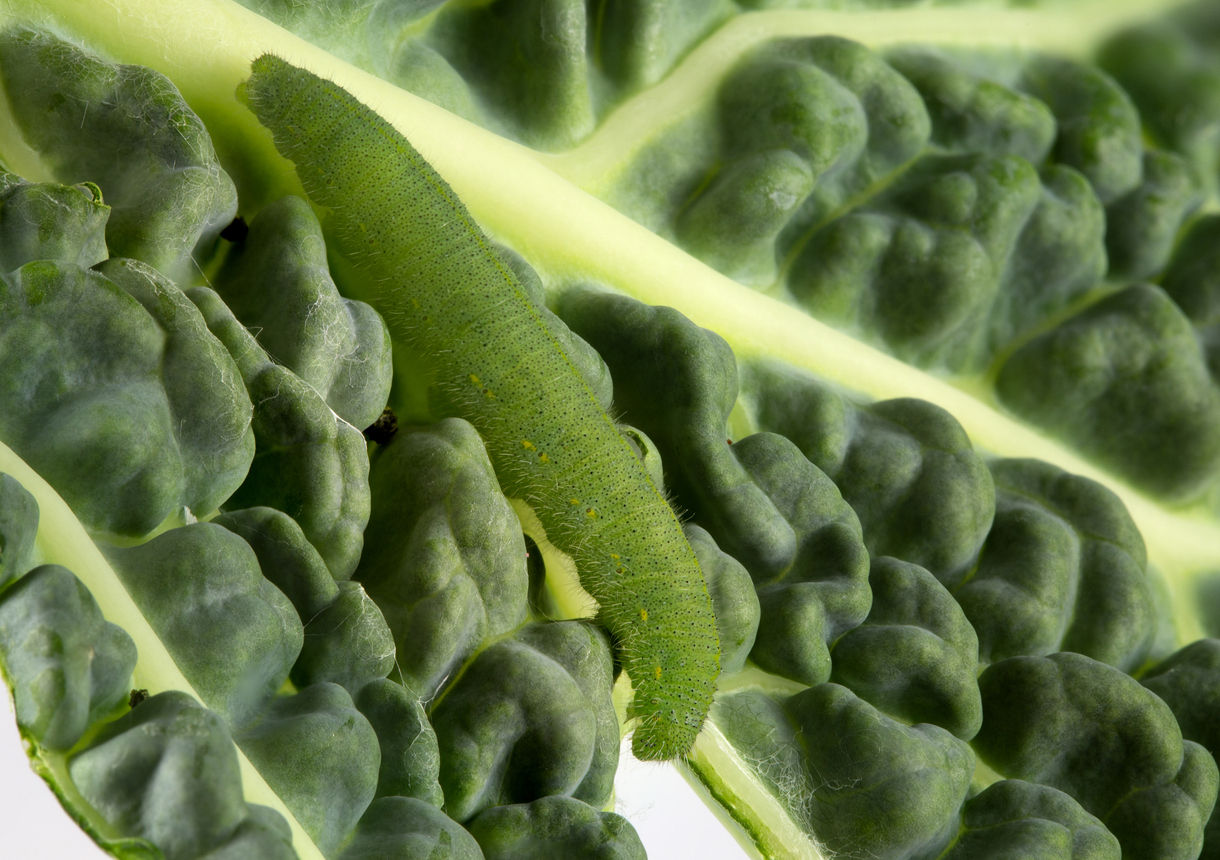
(236, 231)
(383, 429)
(136, 697)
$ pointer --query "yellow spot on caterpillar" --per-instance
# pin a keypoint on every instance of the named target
(527, 444)
(574, 501)
(620, 569)
(615, 556)
(363, 229)
(543, 458)
(487, 391)
(475, 379)
(643, 614)
(590, 513)
(657, 673)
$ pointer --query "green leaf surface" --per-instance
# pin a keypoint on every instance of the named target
(62, 540)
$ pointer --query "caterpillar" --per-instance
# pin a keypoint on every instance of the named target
(443, 289)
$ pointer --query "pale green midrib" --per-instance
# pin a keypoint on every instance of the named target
(571, 236)
(15, 154)
(746, 805)
(692, 84)
(62, 540)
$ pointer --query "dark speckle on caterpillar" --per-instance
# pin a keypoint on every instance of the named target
(443, 289)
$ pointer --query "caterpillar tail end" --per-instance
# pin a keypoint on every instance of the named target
(656, 743)
(669, 720)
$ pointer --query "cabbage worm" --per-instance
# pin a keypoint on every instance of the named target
(445, 291)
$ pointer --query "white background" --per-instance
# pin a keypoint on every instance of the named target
(672, 822)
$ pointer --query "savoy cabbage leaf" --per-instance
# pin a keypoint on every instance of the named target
(910, 312)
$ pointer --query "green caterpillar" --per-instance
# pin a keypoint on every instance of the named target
(445, 291)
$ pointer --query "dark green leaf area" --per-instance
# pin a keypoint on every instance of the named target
(1126, 383)
(410, 759)
(1189, 682)
(975, 108)
(733, 224)
(915, 657)
(278, 284)
(978, 107)
(212, 430)
(1181, 810)
(445, 560)
(348, 643)
(320, 755)
(526, 63)
(404, 828)
(167, 772)
(18, 527)
(118, 395)
(805, 124)
(555, 827)
(635, 42)
(823, 592)
(906, 466)
(960, 255)
(264, 835)
(1098, 126)
(1170, 69)
(419, 68)
(781, 100)
(584, 651)
(1207, 598)
(285, 556)
(1165, 637)
(734, 599)
(668, 171)
(529, 717)
(308, 462)
(127, 129)
(47, 221)
(69, 667)
(1060, 255)
(1063, 569)
(895, 121)
(233, 634)
(591, 366)
(311, 464)
(1209, 338)
(1016, 820)
(1192, 278)
(1143, 224)
(864, 785)
(1089, 730)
